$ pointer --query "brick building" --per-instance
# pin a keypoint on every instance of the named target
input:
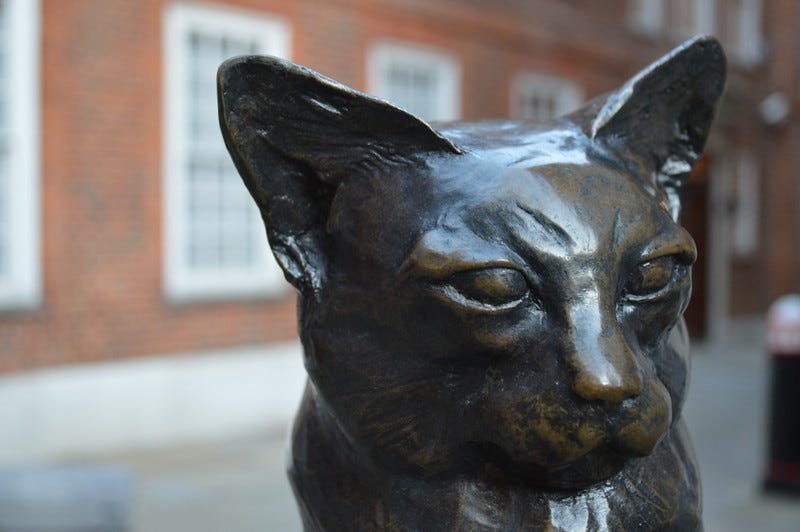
(124, 232)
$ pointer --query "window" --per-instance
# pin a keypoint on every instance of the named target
(676, 18)
(686, 18)
(214, 245)
(19, 154)
(736, 22)
(740, 29)
(424, 82)
(539, 97)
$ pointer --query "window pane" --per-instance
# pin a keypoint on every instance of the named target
(220, 211)
(424, 82)
(413, 88)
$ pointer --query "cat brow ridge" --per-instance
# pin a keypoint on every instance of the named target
(548, 224)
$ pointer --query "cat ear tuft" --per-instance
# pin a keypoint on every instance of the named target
(295, 136)
(663, 115)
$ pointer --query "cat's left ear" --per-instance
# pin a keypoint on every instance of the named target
(662, 116)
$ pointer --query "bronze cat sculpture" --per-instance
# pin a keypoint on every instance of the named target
(490, 312)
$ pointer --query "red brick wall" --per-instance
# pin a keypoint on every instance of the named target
(102, 138)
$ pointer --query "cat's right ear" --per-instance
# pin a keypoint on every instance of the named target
(663, 115)
(295, 137)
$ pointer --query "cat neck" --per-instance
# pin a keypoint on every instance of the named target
(339, 488)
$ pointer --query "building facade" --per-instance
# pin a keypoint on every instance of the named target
(125, 232)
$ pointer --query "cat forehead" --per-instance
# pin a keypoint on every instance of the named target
(555, 170)
(554, 195)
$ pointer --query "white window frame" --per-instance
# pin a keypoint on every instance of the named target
(566, 94)
(748, 48)
(181, 282)
(21, 288)
(745, 230)
(446, 66)
(705, 13)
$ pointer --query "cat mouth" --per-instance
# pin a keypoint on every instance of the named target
(490, 461)
(541, 440)
(573, 466)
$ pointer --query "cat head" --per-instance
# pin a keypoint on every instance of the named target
(497, 298)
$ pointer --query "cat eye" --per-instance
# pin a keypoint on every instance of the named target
(488, 289)
(654, 278)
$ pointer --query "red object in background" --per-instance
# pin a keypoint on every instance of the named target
(783, 341)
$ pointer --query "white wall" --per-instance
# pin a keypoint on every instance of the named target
(166, 400)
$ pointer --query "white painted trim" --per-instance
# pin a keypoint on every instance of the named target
(748, 50)
(706, 13)
(22, 288)
(719, 252)
(567, 94)
(702, 16)
(114, 406)
(180, 282)
(746, 219)
(447, 67)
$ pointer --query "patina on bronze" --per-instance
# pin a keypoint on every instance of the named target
(491, 312)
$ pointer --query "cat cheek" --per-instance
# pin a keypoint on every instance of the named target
(653, 418)
(507, 333)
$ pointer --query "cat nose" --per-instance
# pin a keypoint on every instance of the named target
(606, 376)
(604, 368)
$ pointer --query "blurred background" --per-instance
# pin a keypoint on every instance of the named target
(149, 363)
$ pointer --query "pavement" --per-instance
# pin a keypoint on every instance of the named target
(240, 485)
(726, 413)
